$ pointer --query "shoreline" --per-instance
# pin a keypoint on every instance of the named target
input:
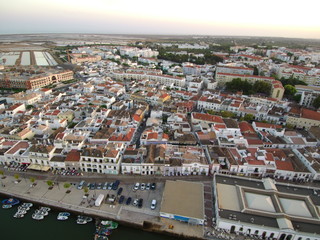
(96, 215)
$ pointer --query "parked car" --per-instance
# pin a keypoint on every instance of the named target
(110, 186)
(135, 202)
(143, 186)
(140, 202)
(99, 185)
(81, 184)
(115, 185)
(136, 186)
(121, 199)
(105, 186)
(128, 200)
(153, 204)
(148, 186)
(92, 186)
(153, 186)
(119, 191)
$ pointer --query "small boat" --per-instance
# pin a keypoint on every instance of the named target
(109, 224)
(63, 216)
(21, 211)
(27, 205)
(41, 212)
(6, 206)
(23, 208)
(83, 219)
(9, 201)
(17, 215)
(100, 237)
(45, 209)
(37, 216)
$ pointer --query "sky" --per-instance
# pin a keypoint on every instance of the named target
(278, 18)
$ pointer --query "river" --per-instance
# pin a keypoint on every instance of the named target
(51, 229)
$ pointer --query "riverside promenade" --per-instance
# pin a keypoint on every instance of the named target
(74, 200)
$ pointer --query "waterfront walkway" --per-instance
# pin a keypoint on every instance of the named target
(75, 201)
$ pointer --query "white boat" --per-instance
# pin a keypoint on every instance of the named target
(41, 212)
(83, 219)
(37, 216)
(21, 211)
(17, 215)
(27, 205)
(24, 208)
(45, 209)
(6, 206)
(63, 216)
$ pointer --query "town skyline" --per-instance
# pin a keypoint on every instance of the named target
(124, 17)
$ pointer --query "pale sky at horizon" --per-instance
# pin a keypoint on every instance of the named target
(279, 18)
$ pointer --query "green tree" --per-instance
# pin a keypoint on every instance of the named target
(261, 87)
(85, 190)
(2, 173)
(50, 183)
(255, 71)
(248, 117)
(103, 106)
(16, 176)
(32, 179)
(290, 90)
(29, 107)
(66, 185)
(227, 114)
(316, 102)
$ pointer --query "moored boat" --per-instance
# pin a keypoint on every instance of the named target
(27, 205)
(37, 216)
(63, 216)
(5, 206)
(8, 203)
(83, 219)
(109, 224)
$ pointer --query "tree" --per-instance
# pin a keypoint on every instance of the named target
(29, 107)
(32, 179)
(289, 91)
(66, 185)
(50, 183)
(86, 190)
(248, 117)
(316, 102)
(227, 114)
(255, 71)
(16, 176)
(2, 174)
(261, 87)
(103, 106)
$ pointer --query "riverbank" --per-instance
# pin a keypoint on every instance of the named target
(59, 199)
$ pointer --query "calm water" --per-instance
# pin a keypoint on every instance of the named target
(51, 229)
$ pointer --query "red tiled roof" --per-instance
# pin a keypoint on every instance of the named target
(207, 117)
(284, 165)
(267, 125)
(246, 127)
(255, 142)
(309, 114)
(73, 156)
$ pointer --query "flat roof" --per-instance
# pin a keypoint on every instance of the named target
(183, 198)
(264, 204)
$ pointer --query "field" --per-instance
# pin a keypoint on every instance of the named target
(27, 58)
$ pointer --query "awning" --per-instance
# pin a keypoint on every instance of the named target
(38, 167)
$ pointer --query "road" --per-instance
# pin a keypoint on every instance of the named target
(95, 177)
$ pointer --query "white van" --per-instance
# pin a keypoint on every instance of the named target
(153, 204)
